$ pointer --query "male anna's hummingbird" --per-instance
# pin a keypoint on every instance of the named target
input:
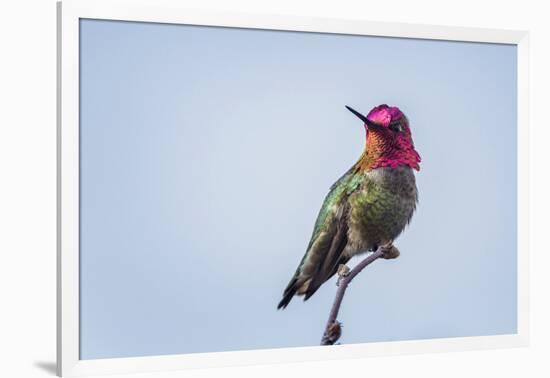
(367, 208)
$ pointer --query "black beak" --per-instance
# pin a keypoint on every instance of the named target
(361, 117)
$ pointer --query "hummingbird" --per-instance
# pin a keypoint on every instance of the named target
(367, 208)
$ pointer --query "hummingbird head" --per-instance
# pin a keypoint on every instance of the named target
(389, 139)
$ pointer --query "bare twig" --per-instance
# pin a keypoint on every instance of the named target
(333, 329)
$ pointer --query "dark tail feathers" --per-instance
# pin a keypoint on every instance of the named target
(289, 293)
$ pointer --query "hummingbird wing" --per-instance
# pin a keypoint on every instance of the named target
(330, 259)
(330, 236)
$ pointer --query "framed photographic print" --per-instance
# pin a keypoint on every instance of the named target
(240, 188)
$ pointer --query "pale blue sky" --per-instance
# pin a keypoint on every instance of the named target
(206, 154)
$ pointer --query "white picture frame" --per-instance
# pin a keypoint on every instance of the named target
(169, 11)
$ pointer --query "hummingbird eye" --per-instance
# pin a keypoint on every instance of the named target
(396, 126)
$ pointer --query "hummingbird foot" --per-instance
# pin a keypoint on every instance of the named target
(343, 271)
(390, 251)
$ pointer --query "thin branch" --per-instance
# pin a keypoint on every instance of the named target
(333, 329)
